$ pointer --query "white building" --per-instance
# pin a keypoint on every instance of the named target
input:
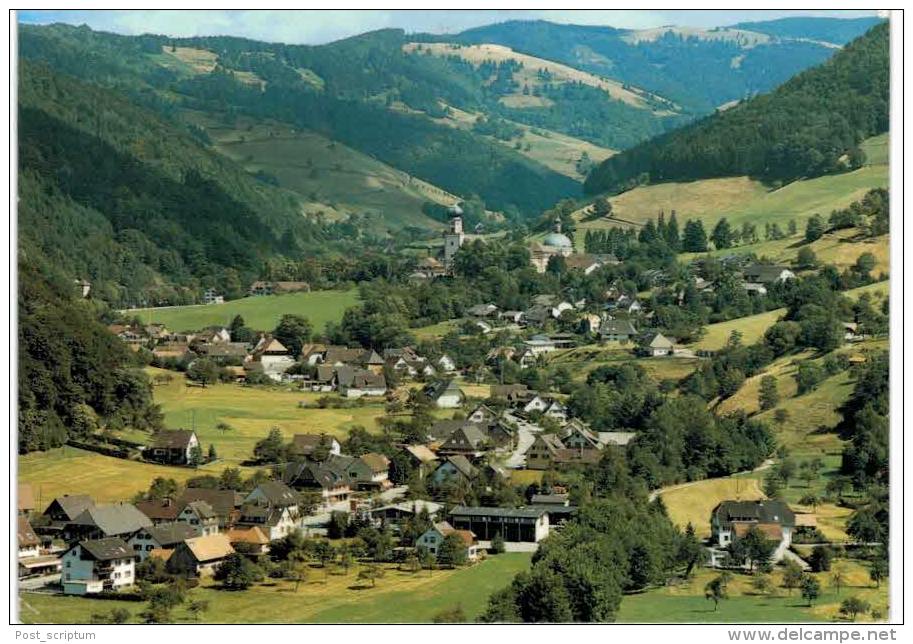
(454, 238)
(97, 565)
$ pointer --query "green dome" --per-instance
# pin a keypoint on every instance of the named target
(557, 240)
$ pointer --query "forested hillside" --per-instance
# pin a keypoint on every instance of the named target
(698, 69)
(72, 371)
(113, 194)
(350, 91)
(810, 126)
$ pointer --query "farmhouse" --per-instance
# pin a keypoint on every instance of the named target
(102, 521)
(433, 538)
(200, 516)
(656, 344)
(469, 439)
(332, 484)
(199, 555)
(65, 509)
(159, 510)
(30, 560)
(732, 519)
(455, 467)
(355, 383)
(399, 512)
(305, 445)
(97, 565)
(515, 525)
(617, 330)
(421, 457)
(165, 536)
(251, 540)
(173, 447)
(272, 356)
(224, 503)
(446, 394)
(278, 288)
(767, 274)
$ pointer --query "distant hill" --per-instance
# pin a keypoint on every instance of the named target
(698, 69)
(348, 91)
(809, 126)
(838, 31)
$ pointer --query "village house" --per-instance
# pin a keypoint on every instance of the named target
(332, 485)
(211, 296)
(64, 509)
(445, 394)
(164, 536)
(617, 330)
(224, 353)
(656, 345)
(515, 525)
(428, 268)
(397, 513)
(201, 516)
(101, 521)
(31, 561)
(453, 468)
(767, 274)
(249, 540)
(482, 414)
(433, 538)
(539, 344)
(514, 317)
(274, 507)
(272, 356)
(199, 556)
(305, 445)
(541, 453)
(470, 440)
(356, 383)
(422, 458)
(483, 311)
(369, 471)
(97, 565)
(173, 447)
(731, 520)
(224, 503)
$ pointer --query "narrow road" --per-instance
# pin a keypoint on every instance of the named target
(526, 434)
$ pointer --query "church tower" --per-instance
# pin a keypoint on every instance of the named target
(453, 239)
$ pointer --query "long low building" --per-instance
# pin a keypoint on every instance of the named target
(515, 525)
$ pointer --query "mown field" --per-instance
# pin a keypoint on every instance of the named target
(259, 312)
(399, 597)
(685, 603)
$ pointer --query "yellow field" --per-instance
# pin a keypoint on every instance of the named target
(693, 502)
(751, 327)
(783, 369)
(74, 471)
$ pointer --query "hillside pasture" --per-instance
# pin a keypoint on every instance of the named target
(259, 312)
(400, 597)
(685, 602)
(693, 502)
(328, 177)
(751, 327)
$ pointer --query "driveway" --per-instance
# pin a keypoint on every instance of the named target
(526, 434)
(40, 584)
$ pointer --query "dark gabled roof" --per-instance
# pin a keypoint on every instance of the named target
(279, 494)
(527, 512)
(107, 549)
(72, 504)
(764, 272)
(223, 502)
(759, 511)
(472, 433)
(551, 441)
(172, 439)
(377, 462)
(366, 379)
(437, 389)
(159, 509)
(371, 357)
(462, 465)
(24, 533)
(326, 373)
(339, 464)
(113, 520)
(308, 473)
(441, 429)
(617, 327)
(253, 514)
(171, 534)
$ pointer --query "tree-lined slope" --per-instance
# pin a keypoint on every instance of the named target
(809, 126)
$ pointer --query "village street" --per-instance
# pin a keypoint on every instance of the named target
(526, 434)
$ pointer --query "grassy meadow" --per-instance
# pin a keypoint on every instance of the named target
(751, 327)
(741, 199)
(259, 312)
(685, 603)
(398, 597)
